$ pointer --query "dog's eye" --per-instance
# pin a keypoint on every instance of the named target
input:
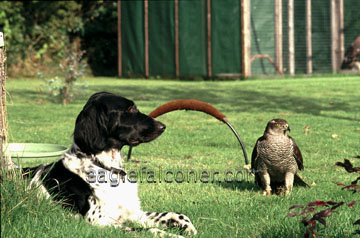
(132, 109)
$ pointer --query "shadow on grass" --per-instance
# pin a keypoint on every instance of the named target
(242, 186)
(239, 100)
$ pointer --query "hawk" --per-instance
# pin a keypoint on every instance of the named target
(276, 158)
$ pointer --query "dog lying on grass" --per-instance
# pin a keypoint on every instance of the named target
(106, 123)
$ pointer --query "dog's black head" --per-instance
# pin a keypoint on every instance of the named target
(108, 121)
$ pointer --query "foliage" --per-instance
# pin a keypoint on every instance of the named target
(38, 33)
(72, 68)
(311, 221)
(12, 23)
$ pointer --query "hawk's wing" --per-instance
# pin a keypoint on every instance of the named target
(254, 158)
(297, 154)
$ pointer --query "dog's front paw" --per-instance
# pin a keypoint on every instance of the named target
(172, 219)
(181, 221)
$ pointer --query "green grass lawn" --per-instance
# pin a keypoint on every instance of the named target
(328, 106)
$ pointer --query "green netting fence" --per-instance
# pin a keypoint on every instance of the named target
(223, 47)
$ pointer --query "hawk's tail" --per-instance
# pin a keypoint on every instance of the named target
(299, 181)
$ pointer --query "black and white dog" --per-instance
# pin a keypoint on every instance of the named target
(106, 123)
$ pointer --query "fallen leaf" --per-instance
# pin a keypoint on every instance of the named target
(308, 210)
(296, 206)
(348, 187)
(347, 165)
(331, 202)
(324, 213)
(317, 203)
(322, 221)
(337, 205)
(292, 214)
(340, 184)
(351, 205)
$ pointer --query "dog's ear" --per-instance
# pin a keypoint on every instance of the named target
(91, 129)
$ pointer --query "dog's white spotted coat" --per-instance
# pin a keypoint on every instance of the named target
(116, 205)
(106, 123)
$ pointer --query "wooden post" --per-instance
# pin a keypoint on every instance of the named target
(5, 159)
(308, 38)
(209, 62)
(177, 61)
(119, 38)
(146, 34)
(246, 37)
(291, 37)
(334, 36)
(3, 131)
(278, 34)
(341, 32)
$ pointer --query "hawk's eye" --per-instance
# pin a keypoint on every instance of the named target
(277, 124)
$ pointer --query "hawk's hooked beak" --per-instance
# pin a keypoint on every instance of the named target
(288, 128)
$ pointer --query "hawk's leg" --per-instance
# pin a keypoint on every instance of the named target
(289, 181)
(265, 177)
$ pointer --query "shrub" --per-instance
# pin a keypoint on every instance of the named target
(72, 68)
(310, 218)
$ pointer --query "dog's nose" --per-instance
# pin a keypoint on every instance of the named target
(161, 127)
